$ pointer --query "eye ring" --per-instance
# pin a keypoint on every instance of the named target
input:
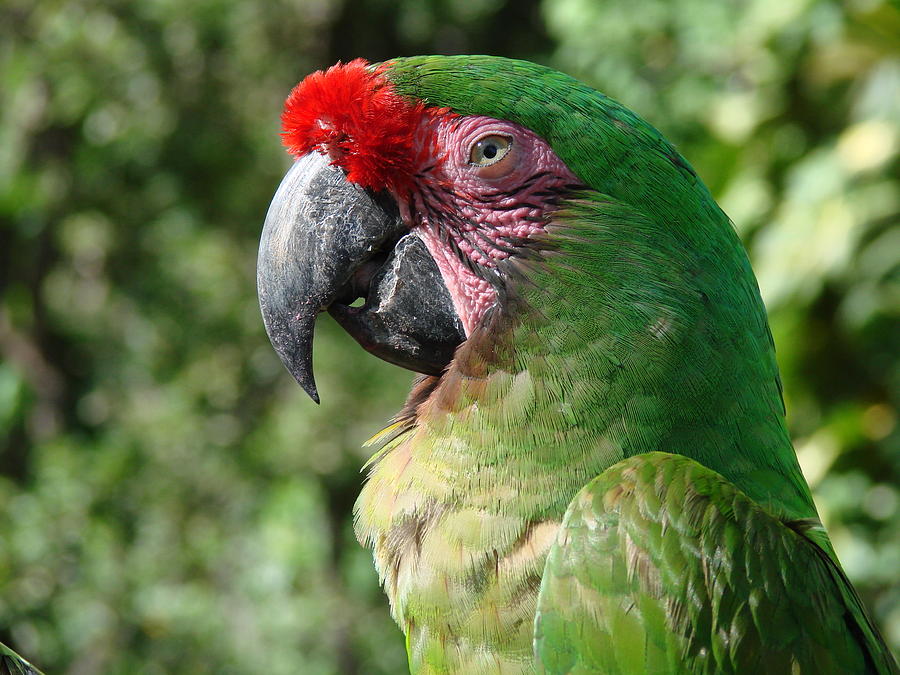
(489, 150)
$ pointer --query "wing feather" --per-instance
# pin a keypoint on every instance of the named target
(663, 566)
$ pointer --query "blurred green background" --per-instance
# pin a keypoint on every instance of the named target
(169, 499)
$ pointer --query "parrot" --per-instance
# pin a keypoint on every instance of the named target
(592, 472)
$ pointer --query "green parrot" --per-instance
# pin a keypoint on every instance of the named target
(592, 473)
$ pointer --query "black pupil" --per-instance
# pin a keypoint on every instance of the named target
(489, 151)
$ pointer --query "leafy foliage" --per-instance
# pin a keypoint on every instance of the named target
(169, 502)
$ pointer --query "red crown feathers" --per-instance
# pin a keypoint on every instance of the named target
(353, 113)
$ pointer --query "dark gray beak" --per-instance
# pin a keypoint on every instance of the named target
(327, 242)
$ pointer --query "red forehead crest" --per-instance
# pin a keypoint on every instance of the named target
(352, 112)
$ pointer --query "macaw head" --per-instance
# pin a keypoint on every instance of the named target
(427, 186)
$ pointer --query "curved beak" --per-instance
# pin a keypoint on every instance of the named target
(327, 242)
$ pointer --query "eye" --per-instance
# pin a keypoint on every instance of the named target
(489, 150)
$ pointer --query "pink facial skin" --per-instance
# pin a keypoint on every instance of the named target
(470, 216)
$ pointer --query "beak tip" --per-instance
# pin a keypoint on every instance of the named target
(301, 368)
(310, 388)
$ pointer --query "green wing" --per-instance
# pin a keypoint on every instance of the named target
(663, 566)
(13, 664)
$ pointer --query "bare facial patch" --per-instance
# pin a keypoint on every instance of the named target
(471, 217)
